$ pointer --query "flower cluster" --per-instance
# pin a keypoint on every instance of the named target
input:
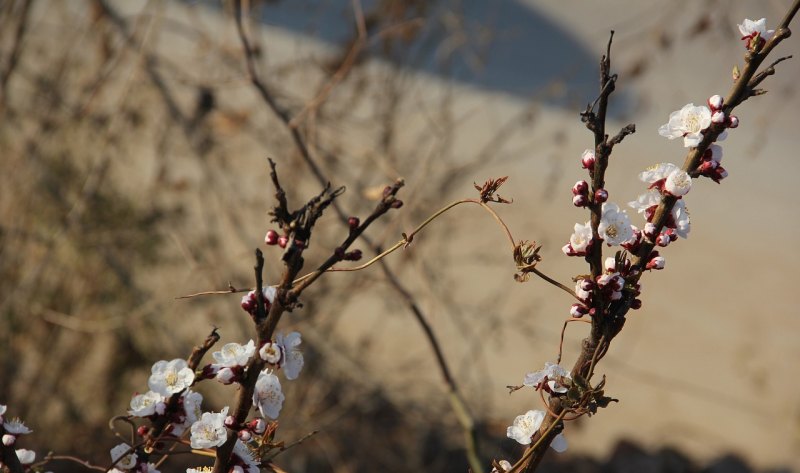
(284, 353)
(166, 380)
(553, 379)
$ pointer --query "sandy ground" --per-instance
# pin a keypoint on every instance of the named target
(708, 365)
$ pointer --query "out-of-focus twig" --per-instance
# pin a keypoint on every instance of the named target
(16, 48)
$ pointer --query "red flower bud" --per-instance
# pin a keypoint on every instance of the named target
(580, 201)
(271, 238)
(600, 196)
(580, 188)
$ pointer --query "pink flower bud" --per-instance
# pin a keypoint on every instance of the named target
(353, 222)
(226, 376)
(588, 159)
(733, 121)
(567, 250)
(142, 430)
(578, 310)
(245, 435)
(8, 440)
(718, 117)
(600, 196)
(719, 174)
(663, 240)
(706, 167)
(271, 238)
(580, 188)
(610, 264)
(580, 201)
(397, 204)
(258, 426)
(636, 304)
(649, 230)
(586, 285)
(230, 421)
(715, 102)
(283, 241)
(656, 262)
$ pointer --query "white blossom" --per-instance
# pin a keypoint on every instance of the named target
(687, 123)
(553, 373)
(525, 426)
(646, 200)
(657, 172)
(147, 404)
(170, 377)
(16, 427)
(246, 456)
(124, 457)
(610, 264)
(581, 237)
(284, 353)
(192, 411)
(292, 356)
(504, 464)
(678, 183)
(234, 354)
(682, 221)
(210, 430)
(615, 226)
(559, 443)
(583, 289)
(749, 28)
(271, 353)
(675, 180)
(716, 153)
(26, 457)
(268, 397)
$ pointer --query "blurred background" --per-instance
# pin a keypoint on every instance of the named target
(134, 171)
